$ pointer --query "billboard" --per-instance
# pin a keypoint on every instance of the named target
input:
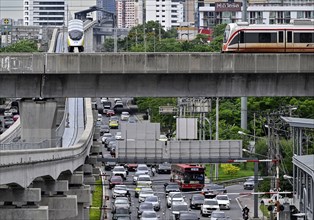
(186, 128)
(227, 6)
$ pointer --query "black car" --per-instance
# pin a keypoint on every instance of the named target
(164, 168)
(104, 129)
(144, 206)
(120, 212)
(196, 201)
(171, 187)
(211, 190)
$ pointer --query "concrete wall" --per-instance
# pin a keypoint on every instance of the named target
(156, 74)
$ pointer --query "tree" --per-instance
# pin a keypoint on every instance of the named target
(21, 46)
(230, 169)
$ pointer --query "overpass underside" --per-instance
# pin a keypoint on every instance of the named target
(156, 75)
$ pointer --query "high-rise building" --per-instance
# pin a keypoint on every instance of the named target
(126, 13)
(108, 5)
(169, 13)
(44, 12)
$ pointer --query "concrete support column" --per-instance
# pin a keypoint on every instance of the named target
(38, 121)
(61, 206)
(89, 179)
(21, 204)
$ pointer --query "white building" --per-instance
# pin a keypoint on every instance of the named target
(126, 13)
(44, 12)
(169, 13)
(267, 13)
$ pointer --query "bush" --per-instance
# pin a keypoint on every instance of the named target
(230, 169)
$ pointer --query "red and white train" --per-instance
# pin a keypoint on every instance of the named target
(297, 37)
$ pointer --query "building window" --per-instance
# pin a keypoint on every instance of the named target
(174, 21)
(174, 16)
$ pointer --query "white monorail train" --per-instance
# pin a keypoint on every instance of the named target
(297, 37)
(75, 35)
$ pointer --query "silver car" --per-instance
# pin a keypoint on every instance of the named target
(155, 201)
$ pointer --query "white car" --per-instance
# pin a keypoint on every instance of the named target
(144, 179)
(223, 201)
(155, 201)
(174, 197)
(209, 206)
(125, 116)
(144, 194)
(121, 201)
(142, 167)
(118, 135)
(120, 190)
(137, 174)
(119, 171)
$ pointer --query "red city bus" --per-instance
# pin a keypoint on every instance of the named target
(188, 176)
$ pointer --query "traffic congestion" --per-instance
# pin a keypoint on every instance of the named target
(158, 191)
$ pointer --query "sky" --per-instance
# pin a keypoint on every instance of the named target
(11, 9)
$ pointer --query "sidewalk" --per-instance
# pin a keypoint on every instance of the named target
(249, 201)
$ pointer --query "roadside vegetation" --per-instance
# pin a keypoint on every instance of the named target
(27, 46)
(95, 212)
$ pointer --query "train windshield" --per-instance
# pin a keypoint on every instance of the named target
(76, 35)
(226, 34)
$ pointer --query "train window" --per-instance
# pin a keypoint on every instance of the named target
(280, 36)
(264, 37)
(241, 36)
(235, 40)
(303, 38)
(289, 37)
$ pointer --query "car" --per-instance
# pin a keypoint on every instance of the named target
(118, 105)
(115, 180)
(163, 137)
(139, 188)
(223, 201)
(209, 206)
(102, 100)
(144, 207)
(108, 140)
(174, 197)
(120, 190)
(211, 190)
(196, 201)
(121, 201)
(164, 168)
(105, 136)
(8, 122)
(218, 215)
(250, 182)
(131, 167)
(114, 117)
(104, 129)
(145, 193)
(177, 207)
(118, 135)
(155, 201)
(121, 211)
(113, 124)
(109, 165)
(187, 215)
(8, 113)
(142, 167)
(144, 179)
(131, 120)
(117, 100)
(111, 145)
(149, 215)
(172, 187)
(125, 116)
(99, 117)
(110, 113)
(119, 171)
(137, 174)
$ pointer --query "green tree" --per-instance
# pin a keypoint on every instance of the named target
(27, 46)
(230, 169)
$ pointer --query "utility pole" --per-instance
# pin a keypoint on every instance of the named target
(217, 134)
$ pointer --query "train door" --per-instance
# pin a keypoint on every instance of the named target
(241, 44)
(289, 41)
(281, 42)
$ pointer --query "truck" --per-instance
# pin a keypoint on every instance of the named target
(272, 200)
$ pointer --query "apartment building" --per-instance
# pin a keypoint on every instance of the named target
(126, 11)
(44, 12)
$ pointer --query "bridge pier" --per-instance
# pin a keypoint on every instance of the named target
(38, 121)
(60, 205)
(21, 204)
